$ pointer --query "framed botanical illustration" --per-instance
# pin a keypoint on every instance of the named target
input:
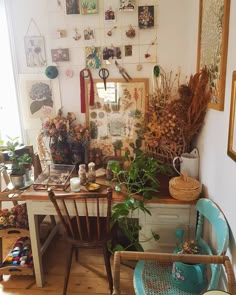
(116, 112)
(35, 51)
(88, 6)
(213, 45)
(232, 121)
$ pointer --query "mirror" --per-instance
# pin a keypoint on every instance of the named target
(116, 111)
(232, 122)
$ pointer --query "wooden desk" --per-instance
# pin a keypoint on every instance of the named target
(168, 214)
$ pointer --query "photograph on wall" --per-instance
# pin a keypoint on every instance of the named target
(110, 15)
(89, 6)
(72, 7)
(127, 5)
(35, 51)
(128, 50)
(93, 56)
(60, 55)
(146, 17)
(111, 53)
(89, 34)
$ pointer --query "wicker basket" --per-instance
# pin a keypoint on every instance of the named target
(184, 188)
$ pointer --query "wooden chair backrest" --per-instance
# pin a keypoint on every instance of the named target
(208, 210)
(92, 215)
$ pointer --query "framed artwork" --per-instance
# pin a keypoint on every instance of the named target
(146, 17)
(212, 46)
(60, 55)
(35, 51)
(111, 52)
(232, 121)
(72, 7)
(89, 6)
(110, 15)
(116, 111)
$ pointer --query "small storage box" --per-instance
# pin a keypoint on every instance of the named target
(56, 176)
(184, 188)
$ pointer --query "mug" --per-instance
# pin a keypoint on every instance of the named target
(189, 163)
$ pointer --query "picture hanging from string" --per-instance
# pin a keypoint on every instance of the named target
(34, 46)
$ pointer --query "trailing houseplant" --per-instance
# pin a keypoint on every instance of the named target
(138, 183)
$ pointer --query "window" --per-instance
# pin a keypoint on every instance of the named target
(9, 111)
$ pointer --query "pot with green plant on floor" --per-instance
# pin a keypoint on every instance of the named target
(138, 183)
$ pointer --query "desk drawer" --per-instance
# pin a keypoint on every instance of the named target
(168, 216)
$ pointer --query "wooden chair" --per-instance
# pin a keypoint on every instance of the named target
(153, 272)
(85, 229)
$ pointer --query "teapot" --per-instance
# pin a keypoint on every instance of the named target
(189, 163)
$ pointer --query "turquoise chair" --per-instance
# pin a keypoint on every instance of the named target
(153, 273)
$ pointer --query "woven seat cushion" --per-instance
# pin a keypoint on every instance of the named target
(155, 278)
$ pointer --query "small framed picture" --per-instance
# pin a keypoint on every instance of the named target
(88, 6)
(113, 52)
(89, 34)
(72, 7)
(93, 57)
(145, 17)
(59, 55)
(35, 51)
(128, 50)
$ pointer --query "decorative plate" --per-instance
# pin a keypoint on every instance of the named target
(92, 187)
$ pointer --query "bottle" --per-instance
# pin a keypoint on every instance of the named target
(82, 174)
(91, 173)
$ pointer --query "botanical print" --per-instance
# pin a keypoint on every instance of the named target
(116, 113)
(93, 57)
(127, 5)
(35, 51)
(72, 7)
(89, 6)
(145, 17)
(211, 42)
(59, 55)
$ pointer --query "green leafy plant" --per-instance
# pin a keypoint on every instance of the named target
(18, 162)
(84, 4)
(138, 182)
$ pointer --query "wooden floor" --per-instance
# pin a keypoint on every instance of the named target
(87, 276)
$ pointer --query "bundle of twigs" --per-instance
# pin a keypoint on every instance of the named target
(172, 127)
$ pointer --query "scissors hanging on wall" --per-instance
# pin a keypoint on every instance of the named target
(104, 74)
(123, 72)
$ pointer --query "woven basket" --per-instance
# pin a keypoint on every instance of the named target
(184, 188)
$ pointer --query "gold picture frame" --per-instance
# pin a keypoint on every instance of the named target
(116, 111)
(231, 151)
(212, 46)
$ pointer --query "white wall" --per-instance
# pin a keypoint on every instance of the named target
(177, 48)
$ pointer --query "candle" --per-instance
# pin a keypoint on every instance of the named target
(75, 184)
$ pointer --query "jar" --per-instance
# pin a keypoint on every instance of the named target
(82, 174)
(109, 173)
(91, 172)
(75, 184)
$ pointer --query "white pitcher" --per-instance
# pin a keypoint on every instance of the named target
(189, 163)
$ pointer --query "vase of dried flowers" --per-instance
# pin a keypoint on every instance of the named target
(68, 139)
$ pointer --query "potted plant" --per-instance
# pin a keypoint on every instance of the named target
(26, 161)
(117, 144)
(189, 277)
(17, 168)
(138, 183)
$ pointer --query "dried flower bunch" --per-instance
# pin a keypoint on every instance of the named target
(175, 118)
(65, 128)
(189, 247)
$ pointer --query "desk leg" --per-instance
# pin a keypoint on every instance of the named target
(36, 246)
